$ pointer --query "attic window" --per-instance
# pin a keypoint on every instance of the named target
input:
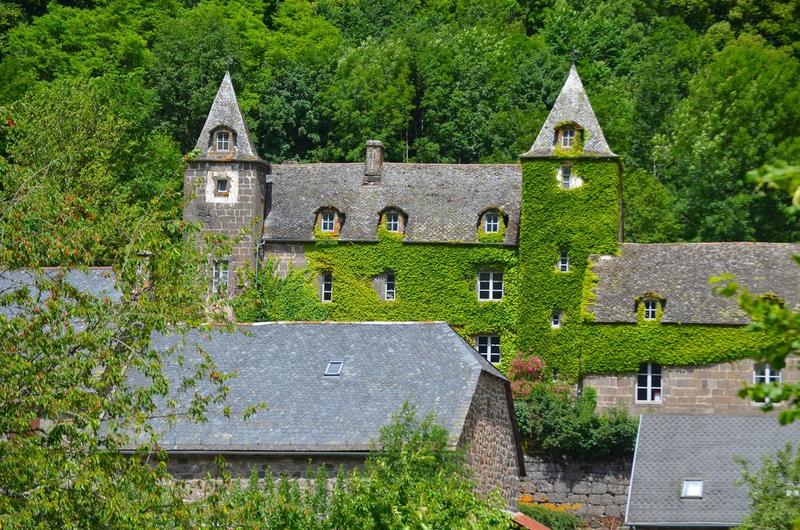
(567, 137)
(334, 368)
(692, 489)
(491, 222)
(650, 308)
(327, 221)
(393, 221)
(223, 140)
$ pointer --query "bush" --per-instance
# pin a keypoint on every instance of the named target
(552, 519)
(774, 492)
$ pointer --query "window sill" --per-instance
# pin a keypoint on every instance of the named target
(637, 402)
(221, 194)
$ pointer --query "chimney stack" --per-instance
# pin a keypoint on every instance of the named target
(374, 162)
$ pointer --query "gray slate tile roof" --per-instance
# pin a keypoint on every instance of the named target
(572, 105)
(225, 111)
(97, 281)
(443, 202)
(282, 365)
(680, 271)
(671, 449)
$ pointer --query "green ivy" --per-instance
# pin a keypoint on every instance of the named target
(493, 237)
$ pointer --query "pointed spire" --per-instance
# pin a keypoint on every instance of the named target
(572, 105)
(225, 112)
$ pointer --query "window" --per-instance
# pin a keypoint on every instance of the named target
(388, 291)
(219, 276)
(223, 140)
(563, 261)
(326, 286)
(490, 285)
(221, 187)
(491, 222)
(327, 220)
(648, 383)
(334, 368)
(650, 309)
(692, 489)
(567, 137)
(566, 177)
(556, 319)
(763, 373)
(392, 221)
(489, 347)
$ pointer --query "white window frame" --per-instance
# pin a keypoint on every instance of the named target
(566, 177)
(326, 287)
(488, 346)
(392, 221)
(563, 261)
(223, 140)
(491, 222)
(763, 373)
(390, 287)
(488, 281)
(557, 319)
(655, 393)
(650, 308)
(568, 136)
(692, 488)
(220, 276)
(327, 221)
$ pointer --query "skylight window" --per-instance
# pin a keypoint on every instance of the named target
(692, 489)
(334, 368)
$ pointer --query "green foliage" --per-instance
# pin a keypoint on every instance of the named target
(649, 209)
(774, 494)
(550, 518)
(555, 423)
(412, 480)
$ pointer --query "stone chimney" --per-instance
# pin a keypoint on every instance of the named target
(374, 162)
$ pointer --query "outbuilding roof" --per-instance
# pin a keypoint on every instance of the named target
(671, 449)
(283, 365)
(442, 202)
(95, 281)
(679, 273)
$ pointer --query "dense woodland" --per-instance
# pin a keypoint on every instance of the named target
(691, 93)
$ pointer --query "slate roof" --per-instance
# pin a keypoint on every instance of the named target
(97, 281)
(282, 365)
(670, 449)
(680, 271)
(443, 202)
(225, 111)
(572, 105)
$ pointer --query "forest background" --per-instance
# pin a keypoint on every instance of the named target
(691, 93)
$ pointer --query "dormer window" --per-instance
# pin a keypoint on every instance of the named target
(329, 221)
(567, 137)
(393, 220)
(650, 308)
(223, 139)
(491, 222)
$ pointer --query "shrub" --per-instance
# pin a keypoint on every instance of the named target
(552, 519)
(774, 492)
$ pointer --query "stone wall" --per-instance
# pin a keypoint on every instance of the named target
(597, 490)
(490, 439)
(707, 389)
(285, 256)
(199, 466)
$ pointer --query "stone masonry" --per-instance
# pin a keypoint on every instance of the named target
(706, 389)
(285, 256)
(489, 438)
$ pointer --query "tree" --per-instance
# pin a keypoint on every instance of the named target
(774, 492)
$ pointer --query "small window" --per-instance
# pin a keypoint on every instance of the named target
(219, 276)
(692, 489)
(223, 140)
(566, 177)
(650, 309)
(563, 261)
(557, 319)
(490, 285)
(222, 186)
(327, 221)
(763, 373)
(648, 383)
(491, 222)
(567, 137)
(334, 368)
(389, 291)
(489, 347)
(392, 221)
(326, 287)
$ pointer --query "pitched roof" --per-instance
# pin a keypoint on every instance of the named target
(443, 202)
(680, 271)
(671, 449)
(283, 365)
(225, 112)
(572, 105)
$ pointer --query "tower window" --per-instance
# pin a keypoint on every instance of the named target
(563, 261)
(219, 276)
(389, 289)
(566, 177)
(326, 286)
(222, 186)
(489, 347)
(648, 383)
(567, 137)
(491, 222)
(556, 319)
(223, 140)
(490, 285)
(392, 221)
(650, 309)
(327, 220)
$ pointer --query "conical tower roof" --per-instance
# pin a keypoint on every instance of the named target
(225, 112)
(572, 105)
